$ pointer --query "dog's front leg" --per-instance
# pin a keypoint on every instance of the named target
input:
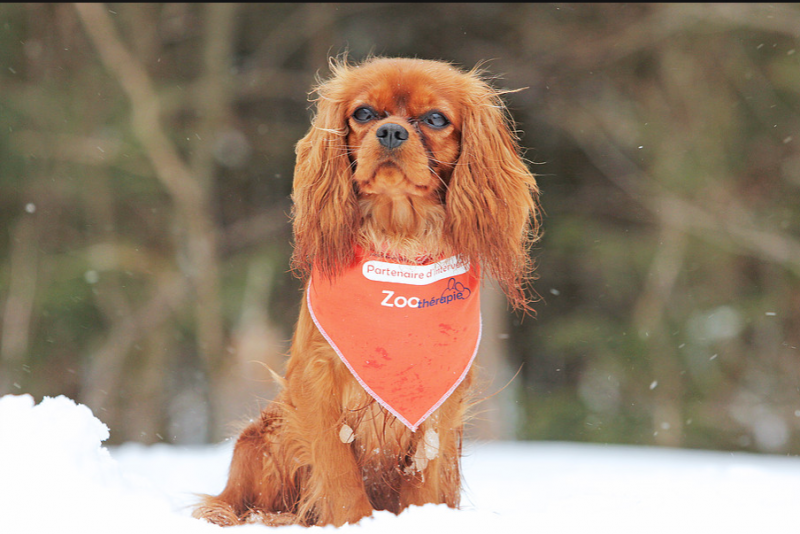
(334, 493)
(334, 490)
(434, 474)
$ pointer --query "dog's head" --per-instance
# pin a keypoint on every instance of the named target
(416, 159)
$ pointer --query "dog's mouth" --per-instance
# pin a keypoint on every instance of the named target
(388, 178)
(402, 212)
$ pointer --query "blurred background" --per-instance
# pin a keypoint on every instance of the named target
(146, 158)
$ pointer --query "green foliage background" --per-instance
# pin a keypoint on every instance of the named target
(146, 156)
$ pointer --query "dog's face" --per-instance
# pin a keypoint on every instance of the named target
(404, 130)
(417, 159)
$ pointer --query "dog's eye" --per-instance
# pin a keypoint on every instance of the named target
(435, 119)
(364, 114)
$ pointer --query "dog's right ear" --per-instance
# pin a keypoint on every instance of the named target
(325, 214)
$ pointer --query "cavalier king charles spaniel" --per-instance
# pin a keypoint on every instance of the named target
(409, 189)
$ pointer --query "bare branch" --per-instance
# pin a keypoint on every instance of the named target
(64, 147)
(730, 228)
(145, 106)
(189, 192)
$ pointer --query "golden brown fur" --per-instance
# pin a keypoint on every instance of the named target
(452, 186)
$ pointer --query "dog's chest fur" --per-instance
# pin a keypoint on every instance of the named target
(383, 446)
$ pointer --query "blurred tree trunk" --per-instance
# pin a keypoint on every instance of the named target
(213, 101)
(19, 303)
(258, 349)
(649, 318)
(189, 184)
(494, 417)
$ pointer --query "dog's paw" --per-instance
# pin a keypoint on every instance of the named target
(217, 512)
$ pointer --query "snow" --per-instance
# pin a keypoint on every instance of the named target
(56, 476)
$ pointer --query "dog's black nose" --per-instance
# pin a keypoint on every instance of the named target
(391, 135)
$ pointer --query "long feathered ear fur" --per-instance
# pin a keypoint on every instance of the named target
(492, 198)
(325, 211)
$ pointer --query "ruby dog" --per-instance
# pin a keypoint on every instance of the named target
(409, 188)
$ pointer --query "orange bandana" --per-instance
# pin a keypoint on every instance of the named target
(407, 332)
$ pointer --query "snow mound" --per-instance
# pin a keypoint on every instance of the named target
(55, 475)
(57, 437)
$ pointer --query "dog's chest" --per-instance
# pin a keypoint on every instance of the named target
(380, 445)
(386, 451)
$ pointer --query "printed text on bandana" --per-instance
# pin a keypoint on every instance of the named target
(455, 291)
(417, 275)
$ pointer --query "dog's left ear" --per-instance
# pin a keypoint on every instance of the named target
(492, 198)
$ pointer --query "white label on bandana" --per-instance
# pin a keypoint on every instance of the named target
(417, 275)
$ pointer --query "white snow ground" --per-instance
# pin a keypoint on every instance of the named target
(56, 477)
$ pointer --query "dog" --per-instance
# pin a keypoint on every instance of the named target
(409, 189)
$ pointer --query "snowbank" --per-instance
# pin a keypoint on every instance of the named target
(55, 475)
